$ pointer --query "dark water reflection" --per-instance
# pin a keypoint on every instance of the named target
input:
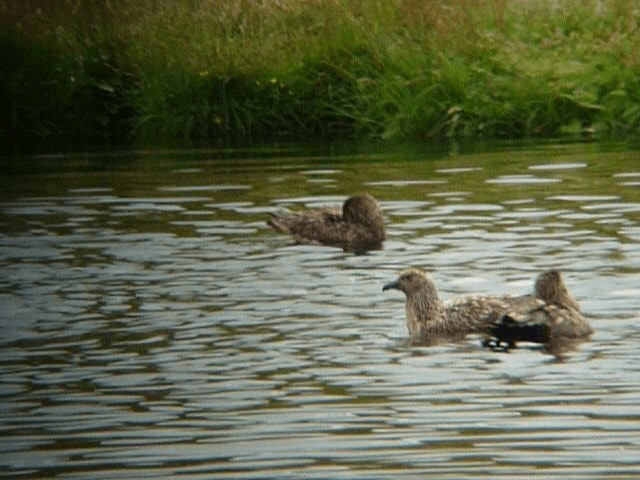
(153, 326)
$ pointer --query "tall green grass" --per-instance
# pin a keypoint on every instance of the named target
(256, 70)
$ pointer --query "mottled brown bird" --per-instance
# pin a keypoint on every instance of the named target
(550, 315)
(431, 320)
(358, 228)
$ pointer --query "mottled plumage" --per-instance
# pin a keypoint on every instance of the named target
(550, 316)
(359, 227)
(431, 320)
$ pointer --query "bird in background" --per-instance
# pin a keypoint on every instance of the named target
(359, 227)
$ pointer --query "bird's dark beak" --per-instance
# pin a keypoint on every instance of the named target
(390, 285)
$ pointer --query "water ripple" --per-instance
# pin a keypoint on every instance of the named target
(154, 330)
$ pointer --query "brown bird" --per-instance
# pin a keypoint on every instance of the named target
(430, 320)
(550, 316)
(358, 228)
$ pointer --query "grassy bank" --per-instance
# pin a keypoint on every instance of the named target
(251, 70)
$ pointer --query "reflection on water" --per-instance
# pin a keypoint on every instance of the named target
(154, 326)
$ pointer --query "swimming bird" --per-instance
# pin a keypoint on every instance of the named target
(551, 316)
(430, 320)
(358, 228)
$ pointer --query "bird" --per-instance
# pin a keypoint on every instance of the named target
(358, 228)
(550, 316)
(430, 320)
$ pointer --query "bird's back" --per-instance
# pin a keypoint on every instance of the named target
(326, 227)
(530, 319)
(323, 226)
(474, 314)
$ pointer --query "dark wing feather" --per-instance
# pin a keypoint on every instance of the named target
(322, 226)
(531, 320)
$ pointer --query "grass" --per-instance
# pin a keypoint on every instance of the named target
(264, 70)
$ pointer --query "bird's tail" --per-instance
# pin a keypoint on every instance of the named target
(275, 222)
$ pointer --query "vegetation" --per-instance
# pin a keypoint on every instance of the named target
(256, 70)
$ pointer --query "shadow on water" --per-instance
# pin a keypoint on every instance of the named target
(154, 326)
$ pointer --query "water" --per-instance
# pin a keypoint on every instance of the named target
(153, 326)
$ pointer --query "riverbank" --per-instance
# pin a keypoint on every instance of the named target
(240, 70)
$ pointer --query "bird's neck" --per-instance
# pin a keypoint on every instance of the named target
(425, 312)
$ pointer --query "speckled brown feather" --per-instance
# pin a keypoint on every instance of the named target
(429, 319)
(359, 227)
(550, 316)
(523, 318)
